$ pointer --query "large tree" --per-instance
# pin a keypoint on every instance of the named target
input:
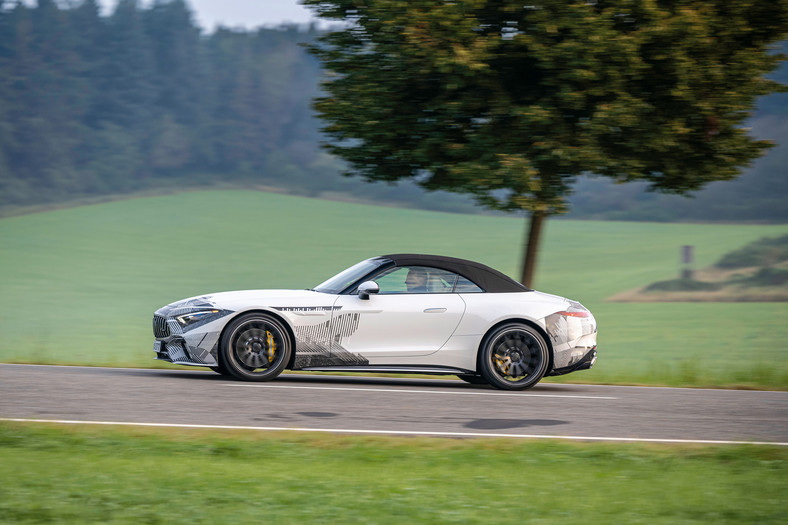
(511, 101)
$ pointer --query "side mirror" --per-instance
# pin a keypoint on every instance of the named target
(366, 289)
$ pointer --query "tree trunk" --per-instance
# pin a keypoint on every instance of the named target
(531, 248)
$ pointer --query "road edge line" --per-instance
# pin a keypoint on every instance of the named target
(399, 432)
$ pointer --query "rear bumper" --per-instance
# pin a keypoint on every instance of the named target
(584, 363)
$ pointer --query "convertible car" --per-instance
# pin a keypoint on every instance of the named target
(406, 313)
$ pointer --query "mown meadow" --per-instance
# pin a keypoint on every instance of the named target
(79, 285)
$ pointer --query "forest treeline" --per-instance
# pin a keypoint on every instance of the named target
(92, 105)
(142, 98)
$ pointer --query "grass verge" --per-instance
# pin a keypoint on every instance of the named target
(85, 475)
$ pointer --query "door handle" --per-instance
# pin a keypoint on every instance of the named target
(434, 310)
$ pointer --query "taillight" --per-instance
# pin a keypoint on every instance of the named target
(579, 313)
(575, 310)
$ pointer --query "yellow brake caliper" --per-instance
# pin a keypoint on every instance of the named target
(503, 364)
(269, 339)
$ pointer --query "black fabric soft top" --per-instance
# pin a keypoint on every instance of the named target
(486, 278)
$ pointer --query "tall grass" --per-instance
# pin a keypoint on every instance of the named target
(154, 476)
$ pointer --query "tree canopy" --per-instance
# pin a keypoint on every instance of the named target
(511, 102)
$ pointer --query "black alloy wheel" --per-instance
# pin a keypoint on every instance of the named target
(514, 356)
(255, 347)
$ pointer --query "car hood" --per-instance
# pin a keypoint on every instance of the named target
(245, 299)
(273, 298)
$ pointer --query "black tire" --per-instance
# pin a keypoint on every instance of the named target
(255, 347)
(514, 356)
(220, 369)
(473, 379)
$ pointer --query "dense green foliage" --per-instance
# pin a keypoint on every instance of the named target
(80, 285)
(755, 272)
(766, 277)
(763, 252)
(682, 285)
(101, 475)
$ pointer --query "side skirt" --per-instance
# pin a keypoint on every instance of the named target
(398, 369)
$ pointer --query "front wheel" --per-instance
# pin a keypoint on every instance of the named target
(256, 347)
(221, 370)
(514, 356)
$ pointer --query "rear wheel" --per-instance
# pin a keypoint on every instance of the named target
(514, 356)
(255, 347)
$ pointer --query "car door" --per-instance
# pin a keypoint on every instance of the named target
(406, 318)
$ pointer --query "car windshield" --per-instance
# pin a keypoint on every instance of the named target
(347, 277)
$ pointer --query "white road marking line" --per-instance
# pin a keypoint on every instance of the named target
(399, 432)
(406, 391)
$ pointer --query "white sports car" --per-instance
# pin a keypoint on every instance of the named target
(406, 313)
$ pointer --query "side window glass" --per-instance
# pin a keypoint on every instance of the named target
(392, 281)
(416, 279)
(440, 281)
(465, 286)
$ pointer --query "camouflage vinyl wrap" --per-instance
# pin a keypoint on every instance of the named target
(318, 341)
(572, 338)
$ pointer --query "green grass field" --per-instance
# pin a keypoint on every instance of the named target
(79, 285)
(105, 475)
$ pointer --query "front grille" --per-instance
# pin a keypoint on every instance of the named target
(160, 328)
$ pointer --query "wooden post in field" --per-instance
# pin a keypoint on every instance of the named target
(686, 260)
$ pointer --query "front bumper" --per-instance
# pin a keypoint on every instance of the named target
(177, 351)
(196, 344)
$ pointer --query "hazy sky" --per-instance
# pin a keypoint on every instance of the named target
(240, 13)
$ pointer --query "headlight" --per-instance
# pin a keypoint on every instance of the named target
(193, 317)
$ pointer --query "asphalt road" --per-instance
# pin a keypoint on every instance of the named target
(390, 406)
